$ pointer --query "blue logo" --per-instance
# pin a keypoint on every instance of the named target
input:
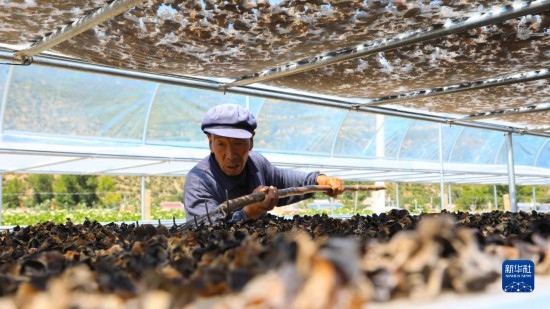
(518, 276)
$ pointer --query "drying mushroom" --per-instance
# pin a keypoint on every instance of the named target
(301, 262)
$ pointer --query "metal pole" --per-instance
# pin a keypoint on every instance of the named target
(534, 198)
(186, 81)
(511, 173)
(441, 178)
(379, 197)
(456, 88)
(495, 194)
(107, 12)
(533, 108)
(142, 197)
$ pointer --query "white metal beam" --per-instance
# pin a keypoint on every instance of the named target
(511, 173)
(107, 12)
(260, 91)
(510, 111)
(465, 86)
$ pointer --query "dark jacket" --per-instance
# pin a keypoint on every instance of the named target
(206, 184)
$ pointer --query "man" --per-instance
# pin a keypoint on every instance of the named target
(232, 170)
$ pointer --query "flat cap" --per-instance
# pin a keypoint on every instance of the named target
(229, 120)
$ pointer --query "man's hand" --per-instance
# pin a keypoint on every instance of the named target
(255, 210)
(336, 184)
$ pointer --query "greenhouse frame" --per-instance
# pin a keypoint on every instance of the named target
(384, 91)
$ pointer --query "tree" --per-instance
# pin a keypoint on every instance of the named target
(12, 192)
(71, 190)
(470, 197)
(106, 189)
(42, 187)
(88, 185)
(524, 193)
(64, 189)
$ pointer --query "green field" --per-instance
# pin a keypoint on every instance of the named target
(30, 216)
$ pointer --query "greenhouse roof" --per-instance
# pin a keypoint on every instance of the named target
(365, 90)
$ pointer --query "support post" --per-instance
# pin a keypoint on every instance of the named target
(506, 202)
(379, 197)
(511, 174)
(534, 197)
(441, 177)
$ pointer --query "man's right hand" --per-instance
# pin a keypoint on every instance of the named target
(255, 210)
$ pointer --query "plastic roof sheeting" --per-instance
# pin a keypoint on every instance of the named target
(61, 121)
(477, 56)
(342, 86)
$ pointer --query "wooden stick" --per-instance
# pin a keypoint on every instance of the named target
(239, 203)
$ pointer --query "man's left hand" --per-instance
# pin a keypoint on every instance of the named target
(336, 184)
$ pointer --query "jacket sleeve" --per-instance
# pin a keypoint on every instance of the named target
(292, 178)
(286, 178)
(197, 198)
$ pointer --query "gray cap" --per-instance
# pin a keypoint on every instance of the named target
(229, 120)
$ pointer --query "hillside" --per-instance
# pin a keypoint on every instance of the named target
(170, 189)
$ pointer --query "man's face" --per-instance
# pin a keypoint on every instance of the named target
(230, 153)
